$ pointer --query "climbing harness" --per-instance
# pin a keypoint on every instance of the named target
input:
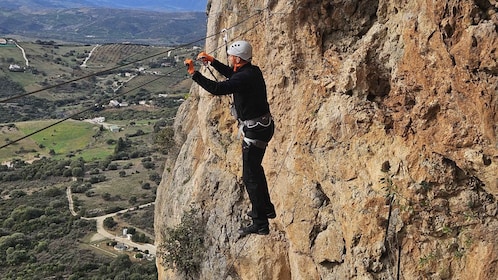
(264, 121)
(255, 142)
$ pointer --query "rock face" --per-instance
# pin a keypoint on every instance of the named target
(385, 157)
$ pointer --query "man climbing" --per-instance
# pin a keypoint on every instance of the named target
(245, 81)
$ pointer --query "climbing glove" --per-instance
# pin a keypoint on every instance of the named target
(204, 57)
(190, 66)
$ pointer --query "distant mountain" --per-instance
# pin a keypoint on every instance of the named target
(151, 5)
(103, 25)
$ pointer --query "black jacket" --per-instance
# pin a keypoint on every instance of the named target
(247, 86)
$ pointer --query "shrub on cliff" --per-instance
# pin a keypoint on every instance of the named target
(183, 247)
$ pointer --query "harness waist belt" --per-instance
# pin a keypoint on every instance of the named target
(264, 120)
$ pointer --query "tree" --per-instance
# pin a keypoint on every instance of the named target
(53, 192)
(17, 193)
(104, 164)
(13, 240)
(146, 186)
(67, 173)
(95, 171)
(77, 172)
(155, 177)
(131, 230)
(148, 165)
(26, 213)
(112, 166)
(121, 263)
(120, 146)
(106, 196)
(133, 200)
(184, 245)
(140, 237)
(78, 163)
(16, 257)
(164, 139)
(109, 222)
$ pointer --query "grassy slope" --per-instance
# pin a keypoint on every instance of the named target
(52, 62)
(10, 152)
(63, 138)
(77, 138)
(11, 51)
(69, 137)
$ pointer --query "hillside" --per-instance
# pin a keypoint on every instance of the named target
(101, 161)
(52, 64)
(103, 25)
(385, 155)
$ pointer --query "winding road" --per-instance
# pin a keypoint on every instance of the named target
(23, 54)
(104, 234)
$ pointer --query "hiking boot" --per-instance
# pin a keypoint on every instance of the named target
(269, 215)
(254, 229)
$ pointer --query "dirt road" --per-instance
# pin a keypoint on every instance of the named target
(102, 233)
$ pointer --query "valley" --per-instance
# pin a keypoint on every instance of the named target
(92, 120)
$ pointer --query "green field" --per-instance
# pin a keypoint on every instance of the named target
(68, 137)
(12, 52)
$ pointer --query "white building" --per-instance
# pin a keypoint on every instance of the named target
(15, 68)
(113, 103)
(114, 128)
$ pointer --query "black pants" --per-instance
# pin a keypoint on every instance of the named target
(253, 173)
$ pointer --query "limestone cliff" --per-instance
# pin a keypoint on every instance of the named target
(385, 156)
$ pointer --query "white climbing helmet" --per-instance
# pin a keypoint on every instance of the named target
(241, 49)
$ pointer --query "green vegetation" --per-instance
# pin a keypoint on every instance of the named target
(184, 245)
(39, 238)
(80, 139)
(63, 138)
(106, 169)
(142, 219)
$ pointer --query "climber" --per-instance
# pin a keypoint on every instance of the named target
(245, 81)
